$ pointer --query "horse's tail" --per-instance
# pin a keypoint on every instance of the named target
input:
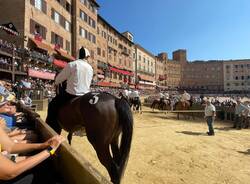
(126, 122)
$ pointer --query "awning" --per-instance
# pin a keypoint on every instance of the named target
(60, 63)
(42, 45)
(121, 71)
(108, 84)
(145, 78)
(41, 74)
(100, 76)
(162, 77)
(147, 83)
(65, 54)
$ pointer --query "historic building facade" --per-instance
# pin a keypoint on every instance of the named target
(160, 70)
(84, 19)
(168, 71)
(145, 65)
(203, 75)
(236, 75)
(44, 25)
(114, 56)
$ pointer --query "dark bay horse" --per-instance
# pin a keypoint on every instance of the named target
(135, 104)
(105, 118)
(161, 105)
(183, 105)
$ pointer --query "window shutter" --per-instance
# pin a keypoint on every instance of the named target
(53, 14)
(44, 6)
(52, 37)
(32, 2)
(32, 26)
(44, 31)
(61, 42)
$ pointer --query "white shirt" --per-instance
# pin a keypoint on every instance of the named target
(134, 94)
(79, 75)
(161, 95)
(185, 97)
(209, 109)
(125, 92)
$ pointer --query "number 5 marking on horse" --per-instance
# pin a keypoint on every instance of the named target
(94, 99)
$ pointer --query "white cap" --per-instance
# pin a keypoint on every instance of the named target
(87, 53)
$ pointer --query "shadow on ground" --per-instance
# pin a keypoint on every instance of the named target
(192, 133)
(247, 152)
(224, 128)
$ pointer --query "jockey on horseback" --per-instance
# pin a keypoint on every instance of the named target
(78, 75)
(186, 97)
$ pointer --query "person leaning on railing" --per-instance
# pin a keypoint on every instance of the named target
(11, 172)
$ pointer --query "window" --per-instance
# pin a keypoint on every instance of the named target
(67, 45)
(120, 77)
(56, 17)
(236, 78)
(38, 4)
(67, 25)
(83, 33)
(37, 29)
(98, 51)
(242, 77)
(92, 54)
(68, 7)
(56, 39)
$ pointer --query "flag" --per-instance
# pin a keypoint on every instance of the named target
(10, 29)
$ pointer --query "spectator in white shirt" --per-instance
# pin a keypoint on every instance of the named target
(210, 113)
(78, 75)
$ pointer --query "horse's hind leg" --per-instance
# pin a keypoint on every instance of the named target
(105, 158)
(116, 151)
(69, 137)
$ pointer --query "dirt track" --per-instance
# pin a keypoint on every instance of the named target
(167, 151)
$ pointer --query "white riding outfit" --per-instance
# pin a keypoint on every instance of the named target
(185, 97)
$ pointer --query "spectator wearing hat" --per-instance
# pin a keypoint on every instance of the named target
(210, 113)
(239, 110)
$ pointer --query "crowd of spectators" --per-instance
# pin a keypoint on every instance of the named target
(22, 157)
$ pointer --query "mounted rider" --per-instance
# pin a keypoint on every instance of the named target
(186, 97)
(78, 74)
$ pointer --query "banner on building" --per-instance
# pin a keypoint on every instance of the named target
(10, 29)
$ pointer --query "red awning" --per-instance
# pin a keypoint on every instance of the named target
(144, 78)
(41, 74)
(65, 54)
(60, 63)
(108, 84)
(162, 77)
(121, 71)
(42, 45)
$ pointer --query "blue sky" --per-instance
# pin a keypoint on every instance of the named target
(208, 29)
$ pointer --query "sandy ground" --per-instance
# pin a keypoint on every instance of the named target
(170, 151)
